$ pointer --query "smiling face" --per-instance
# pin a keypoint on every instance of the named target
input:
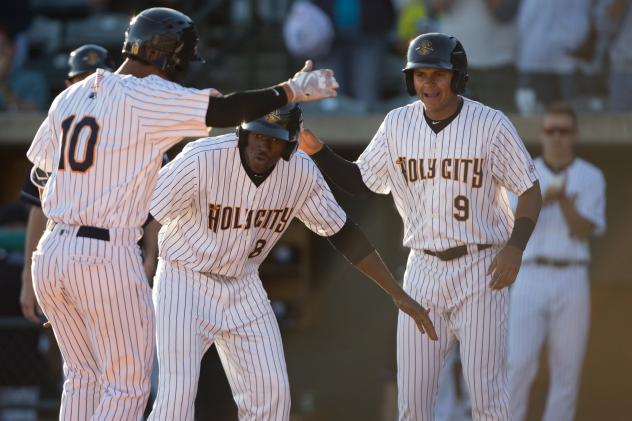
(262, 152)
(433, 89)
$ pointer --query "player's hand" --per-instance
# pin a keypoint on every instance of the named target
(308, 142)
(419, 315)
(504, 268)
(311, 85)
(29, 305)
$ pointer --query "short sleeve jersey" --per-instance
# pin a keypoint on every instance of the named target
(551, 239)
(450, 188)
(215, 219)
(103, 143)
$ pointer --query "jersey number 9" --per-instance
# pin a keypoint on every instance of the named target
(82, 164)
(462, 207)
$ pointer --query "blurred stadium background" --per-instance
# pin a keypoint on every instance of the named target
(338, 328)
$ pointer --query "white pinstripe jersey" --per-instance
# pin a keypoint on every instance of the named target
(551, 237)
(103, 141)
(450, 187)
(215, 219)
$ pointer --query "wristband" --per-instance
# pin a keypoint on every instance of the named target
(522, 230)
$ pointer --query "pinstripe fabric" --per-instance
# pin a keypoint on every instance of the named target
(549, 305)
(195, 310)
(478, 320)
(135, 122)
(103, 141)
(450, 189)
(478, 156)
(218, 226)
(214, 216)
(88, 288)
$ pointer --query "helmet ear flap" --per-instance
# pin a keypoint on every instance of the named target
(459, 80)
(289, 150)
(242, 136)
(410, 84)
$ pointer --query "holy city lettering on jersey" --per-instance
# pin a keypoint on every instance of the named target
(466, 170)
(234, 217)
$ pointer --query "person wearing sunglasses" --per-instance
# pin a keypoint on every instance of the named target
(550, 300)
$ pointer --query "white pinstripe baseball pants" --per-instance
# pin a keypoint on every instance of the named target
(96, 296)
(463, 308)
(194, 311)
(553, 305)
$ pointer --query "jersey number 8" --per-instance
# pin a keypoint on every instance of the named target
(82, 164)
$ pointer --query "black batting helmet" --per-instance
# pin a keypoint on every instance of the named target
(439, 51)
(88, 58)
(283, 123)
(167, 32)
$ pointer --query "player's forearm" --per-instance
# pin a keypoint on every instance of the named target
(374, 267)
(35, 227)
(526, 216)
(530, 203)
(343, 173)
(233, 109)
(356, 247)
(579, 226)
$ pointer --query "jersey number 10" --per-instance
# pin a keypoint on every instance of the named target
(69, 153)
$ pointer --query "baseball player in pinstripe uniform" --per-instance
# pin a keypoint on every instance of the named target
(102, 143)
(448, 162)
(223, 203)
(82, 62)
(550, 300)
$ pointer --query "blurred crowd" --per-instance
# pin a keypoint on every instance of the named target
(523, 54)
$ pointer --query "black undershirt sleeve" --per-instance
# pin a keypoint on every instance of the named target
(343, 173)
(233, 109)
(351, 242)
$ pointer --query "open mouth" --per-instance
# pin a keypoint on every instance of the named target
(429, 95)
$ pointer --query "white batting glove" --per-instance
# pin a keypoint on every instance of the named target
(311, 85)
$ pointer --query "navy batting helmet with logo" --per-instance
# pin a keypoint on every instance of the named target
(88, 58)
(283, 123)
(164, 38)
(438, 51)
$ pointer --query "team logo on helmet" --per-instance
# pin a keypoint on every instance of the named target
(273, 117)
(425, 48)
(135, 48)
(92, 58)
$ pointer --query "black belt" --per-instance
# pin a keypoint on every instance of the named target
(556, 263)
(91, 232)
(454, 252)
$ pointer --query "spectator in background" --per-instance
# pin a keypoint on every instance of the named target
(620, 78)
(487, 29)
(550, 35)
(550, 300)
(360, 45)
(20, 89)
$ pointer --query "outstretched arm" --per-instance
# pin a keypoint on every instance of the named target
(305, 86)
(343, 173)
(353, 244)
